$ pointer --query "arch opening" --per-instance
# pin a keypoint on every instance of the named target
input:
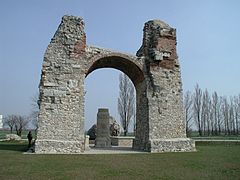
(101, 91)
(135, 74)
(125, 65)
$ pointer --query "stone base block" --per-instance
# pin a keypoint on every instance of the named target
(172, 145)
(141, 146)
(103, 142)
(122, 141)
(55, 146)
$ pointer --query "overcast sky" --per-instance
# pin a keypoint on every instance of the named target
(208, 34)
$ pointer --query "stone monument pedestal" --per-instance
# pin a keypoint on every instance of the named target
(103, 132)
(123, 141)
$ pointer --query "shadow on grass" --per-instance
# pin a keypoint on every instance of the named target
(13, 146)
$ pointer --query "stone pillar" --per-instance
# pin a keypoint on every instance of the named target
(103, 131)
(61, 116)
(165, 116)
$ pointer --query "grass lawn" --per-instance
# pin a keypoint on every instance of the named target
(222, 136)
(217, 137)
(209, 162)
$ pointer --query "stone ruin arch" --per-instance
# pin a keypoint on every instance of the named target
(104, 58)
(155, 72)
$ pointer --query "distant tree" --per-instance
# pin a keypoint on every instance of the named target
(16, 122)
(21, 123)
(9, 121)
(231, 117)
(197, 108)
(188, 111)
(237, 112)
(126, 101)
(206, 112)
(216, 104)
(225, 112)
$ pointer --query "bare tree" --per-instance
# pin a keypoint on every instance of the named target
(10, 122)
(206, 112)
(20, 123)
(16, 122)
(188, 111)
(225, 113)
(211, 119)
(216, 104)
(197, 108)
(237, 112)
(231, 117)
(126, 101)
(203, 112)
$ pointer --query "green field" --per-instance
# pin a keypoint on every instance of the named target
(209, 162)
(195, 135)
(217, 137)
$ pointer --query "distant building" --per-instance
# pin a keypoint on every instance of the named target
(1, 121)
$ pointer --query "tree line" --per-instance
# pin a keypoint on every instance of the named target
(19, 123)
(211, 114)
